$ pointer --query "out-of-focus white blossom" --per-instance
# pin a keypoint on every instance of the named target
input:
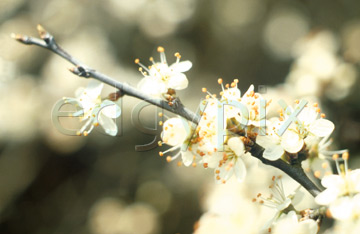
(318, 70)
(277, 200)
(339, 193)
(290, 224)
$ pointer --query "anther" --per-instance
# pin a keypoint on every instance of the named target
(204, 90)
(137, 61)
(220, 81)
(161, 154)
(160, 49)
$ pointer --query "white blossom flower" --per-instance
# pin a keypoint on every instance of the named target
(231, 162)
(250, 100)
(159, 77)
(290, 224)
(94, 110)
(348, 215)
(340, 189)
(307, 129)
(271, 142)
(176, 135)
(277, 200)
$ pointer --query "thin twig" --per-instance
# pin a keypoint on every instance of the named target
(82, 70)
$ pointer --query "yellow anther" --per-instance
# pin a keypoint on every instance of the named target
(345, 155)
(137, 61)
(160, 49)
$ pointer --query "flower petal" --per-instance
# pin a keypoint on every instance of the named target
(236, 145)
(291, 142)
(181, 66)
(322, 127)
(327, 196)
(108, 124)
(110, 109)
(152, 86)
(178, 81)
(240, 170)
(273, 152)
(187, 157)
(93, 89)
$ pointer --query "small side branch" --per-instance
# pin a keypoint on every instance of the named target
(82, 70)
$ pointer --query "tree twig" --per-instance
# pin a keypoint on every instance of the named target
(82, 70)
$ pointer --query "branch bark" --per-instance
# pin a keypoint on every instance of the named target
(82, 70)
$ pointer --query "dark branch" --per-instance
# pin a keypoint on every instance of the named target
(82, 70)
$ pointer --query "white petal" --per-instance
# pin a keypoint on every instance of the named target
(284, 204)
(187, 157)
(108, 125)
(152, 86)
(342, 208)
(307, 115)
(251, 88)
(236, 145)
(178, 81)
(110, 109)
(332, 181)
(322, 127)
(291, 142)
(240, 170)
(79, 91)
(93, 89)
(327, 196)
(266, 141)
(273, 152)
(181, 66)
(224, 174)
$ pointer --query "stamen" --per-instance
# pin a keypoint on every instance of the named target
(335, 158)
(178, 57)
(137, 61)
(161, 50)
(345, 156)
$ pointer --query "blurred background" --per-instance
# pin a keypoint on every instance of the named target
(53, 183)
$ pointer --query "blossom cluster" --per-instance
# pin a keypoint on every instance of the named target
(232, 124)
(229, 128)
